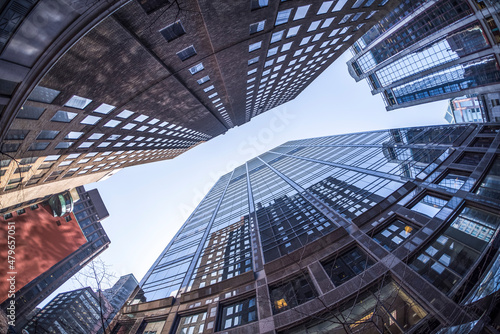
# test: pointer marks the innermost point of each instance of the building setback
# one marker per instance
(87, 213)
(392, 230)
(426, 51)
(122, 83)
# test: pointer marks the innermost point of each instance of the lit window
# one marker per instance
(63, 116)
(291, 294)
(301, 12)
(283, 16)
(104, 109)
(173, 31)
(78, 102)
(203, 80)
(196, 68)
(292, 31)
(90, 120)
(277, 36)
(254, 46)
(256, 27)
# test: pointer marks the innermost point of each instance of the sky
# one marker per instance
(149, 203)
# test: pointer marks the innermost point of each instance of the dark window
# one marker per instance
(43, 94)
(292, 293)
(63, 116)
(347, 265)
(46, 165)
(68, 218)
(47, 134)
(16, 134)
(490, 187)
(7, 216)
(38, 146)
(26, 161)
(63, 145)
(34, 207)
(4, 163)
(256, 4)
(490, 129)
(470, 158)
(451, 255)
(2, 172)
(186, 53)
(7, 87)
(482, 142)
(10, 147)
(22, 169)
(30, 112)
(173, 31)
(20, 212)
(237, 314)
(393, 235)
(256, 27)
(17, 180)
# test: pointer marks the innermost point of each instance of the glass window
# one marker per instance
(64, 144)
(38, 146)
(258, 26)
(203, 80)
(194, 323)
(277, 36)
(301, 12)
(290, 294)
(429, 205)
(490, 186)
(63, 116)
(16, 134)
(314, 25)
(196, 68)
(452, 254)
(325, 6)
(394, 234)
(43, 94)
(286, 46)
(272, 52)
(140, 118)
(73, 135)
(186, 53)
(78, 102)
(30, 112)
(256, 4)
(125, 114)
(47, 134)
(96, 136)
(254, 46)
(104, 109)
(283, 16)
(292, 31)
(112, 123)
(454, 179)
(339, 5)
(347, 265)
(173, 31)
(238, 314)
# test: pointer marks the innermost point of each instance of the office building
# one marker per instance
(113, 84)
(77, 311)
(465, 109)
(425, 51)
(50, 250)
(118, 294)
(382, 231)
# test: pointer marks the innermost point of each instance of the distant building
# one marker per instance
(426, 51)
(121, 83)
(465, 109)
(77, 311)
(382, 231)
(49, 250)
(118, 294)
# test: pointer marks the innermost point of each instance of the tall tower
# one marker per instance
(394, 229)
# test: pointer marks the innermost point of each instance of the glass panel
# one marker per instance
(429, 205)
(292, 293)
(490, 187)
(238, 314)
(347, 265)
(394, 234)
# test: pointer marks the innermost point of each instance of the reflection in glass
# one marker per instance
(347, 265)
(192, 324)
(238, 314)
(429, 205)
(292, 293)
(490, 187)
(454, 179)
(394, 234)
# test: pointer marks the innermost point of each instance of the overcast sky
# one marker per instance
(148, 203)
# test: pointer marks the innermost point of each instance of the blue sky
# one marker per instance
(148, 203)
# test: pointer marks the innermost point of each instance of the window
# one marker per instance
(254, 46)
(112, 123)
(277, 36)
(90, 120)
(347, 265)
(301, 12)
(454, 179)
(305, 40)
(47, 134)
(429, 205)
(292, 293)
(256, 27)
(64, 144)
(30, 112)
(314, 25)
(196, 68)
(207, 89)
(203, 80)
(192, 323)
(451, 255)
(104, 109)
(272, 52)
(96, 136)
(125, 114)
(43, 94)
(24, 161)
(73, 135)
(490, 186)
(141, 118)
(283, 16)
(470, 158)
(63, 116)
(38, 146)
(20, 212)
(7, 216)
(16, 134)
(292, 31)
(78, 102)
(256, 4)
(238, 314)
(186, 53)
(393, 235)
(339, 5)
(325, 6)
(173, 31)
(286, 46)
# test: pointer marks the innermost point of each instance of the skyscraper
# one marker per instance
(43, 240)
(426, 51)
(392, 229)
(113, 84)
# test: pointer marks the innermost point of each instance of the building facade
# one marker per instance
(120, 83)
(72, 312)
(87, 214)
(426, 51)
(118, 294)
(383, 231)
(465, 109)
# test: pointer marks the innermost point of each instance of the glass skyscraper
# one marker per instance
(390, 230)
(425, 51)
